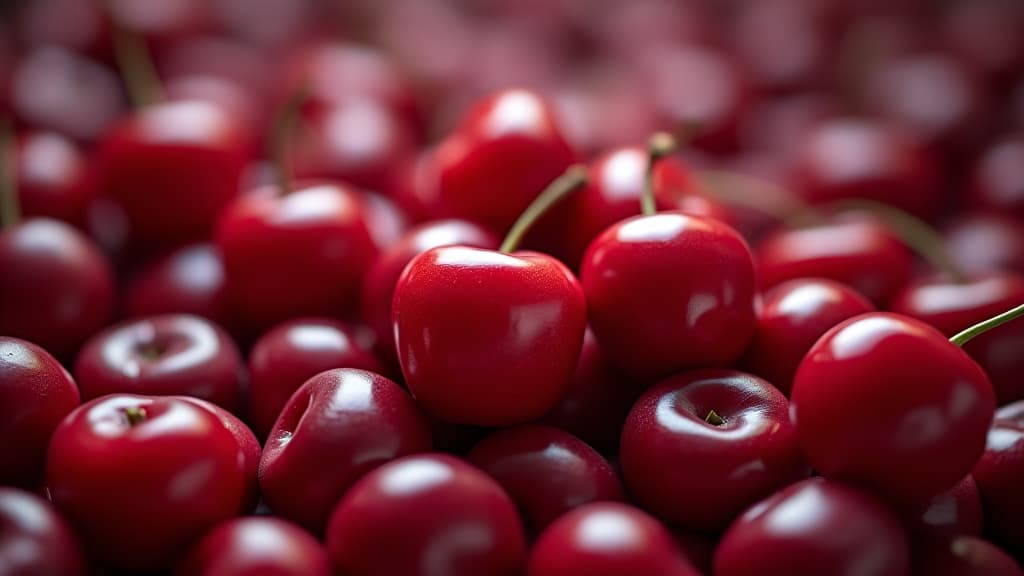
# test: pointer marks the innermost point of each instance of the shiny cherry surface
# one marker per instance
(963, 555)
(189, 280)
(546, 471)
(423, 515)
(256, 545)
(998, 475)
(54, 178)
(510, 356)
(794, 532)
(668, 292)
(955, 511)
(698, 474)
(337, 427)
(169, 355)
(35, 539)
(887, 402)
(985, 242)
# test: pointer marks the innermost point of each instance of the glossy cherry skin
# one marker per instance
(172, 168)
(606, 539)
(53, 178)
(56, 288)
(791, 318)
(951, 307)
(509, 359)
(253, 546)
(546, 471)
(378, 288)
(955, 511)
(36, 392)
(315, 236)
(295, 351)
(963, 555)
(856, 250)
(503, 153)
(139, 494)
(983, 242)
(172, 355)
(998, 179)
(1013, 411)
(698, 475)
(422, 515)
(337, 427)
(189, 280)
(887, 402)
(794, 532)
(35, 539)
(998, 475)
(668, 292)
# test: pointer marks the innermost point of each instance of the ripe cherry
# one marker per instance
(54, 179)
(189, 280)
(998, 474)
(35, 538)
(256, 545)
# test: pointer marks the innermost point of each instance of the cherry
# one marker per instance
(1013, 411)
(855, 249)
(290, 353)
(385, 219)
(256, 545)
(56, 288)
(998, 474)
(337, 427)
(782, 43)
(546, 471)
(795, 530)
(188, 280)
(887, 402)
(422, 515)
(53, 178)
(998, 179)
(170, 355)
(963, 555)
(984, 242)
(606, 539)
(952, 306)
(140, 477)
(36, 392)
(791, 318)
(35, 538)
(956, 511)
(379, 283)
(316, 236)
(699, 447)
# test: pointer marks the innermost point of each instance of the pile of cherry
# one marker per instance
(355, 306)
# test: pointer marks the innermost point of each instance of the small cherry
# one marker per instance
(796, 531)
(522, 318)
(292, 352)
(998, 475)
(546, 471)
(35, 538)
(425, 513)
(36, 392)
(189, 280)
(338, 426)
(791, 318)
(256, 545)
(171, 355)
(701, 446)
(54, 178)
(963, 555)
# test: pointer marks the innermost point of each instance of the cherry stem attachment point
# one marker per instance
(572, 179)
(660, 145)
(136, 64)
(135, 415)
(286, 123)
(986, 325)
(714, 419)
(10, 208)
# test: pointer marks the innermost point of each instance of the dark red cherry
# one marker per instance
(1013, 411)
(256, 545)
(53, 178)
(955, 511)
(998, 180)
(35, 538)
(998, 475)
(963, 555)
(189, 280)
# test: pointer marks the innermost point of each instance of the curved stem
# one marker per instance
(285, 124)
(10, 207)
(986, 325)
(135, 415)
(573, 178)
(659, 146)
(135, 63)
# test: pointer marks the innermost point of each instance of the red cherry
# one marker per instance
(423, 514)
(857, 250)
(509, 359)
(998, 180)
(256, 545)
(385, 219)
(606, 539)
(172, 168)
(35, 538)
(998, 475)
(337, 427)
(982, 242)
(953, 306)
(701, 446)
(963, 555)
(189, 280)
(173, 355)
(955, 511)
(668, 292)
(546, 471)
(379, 283)
(317, 237)
(293, 352)
(1013, 411)
(782, 42)
(36, 392)
(56, 288)
(53, 178)
(791, 318)
(796, 531)
(141, 477)
(887, 402)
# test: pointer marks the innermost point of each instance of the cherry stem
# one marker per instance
(758, 194)
(986, 325)
(135, 415)
(714, 419)
(10, 208)
(281, 136)
(135, 63)
(660, 145)
(572, 179)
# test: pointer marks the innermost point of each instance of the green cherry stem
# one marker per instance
(714, 419)
(135, 63)
(286, 123)
(660, 145)
(10, 208)
(135, 415)
(770, 199)
(572, 179)
(986, 325)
